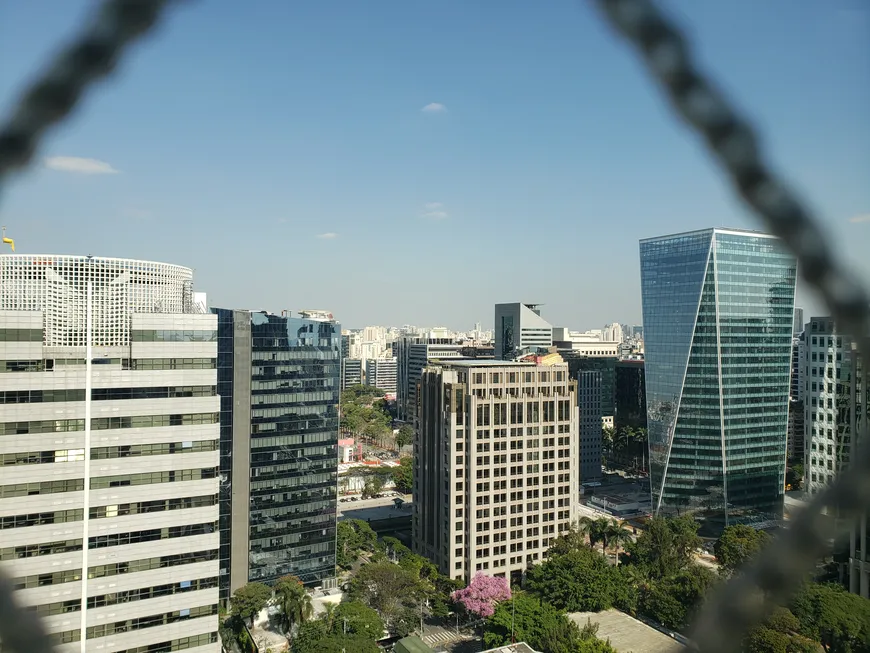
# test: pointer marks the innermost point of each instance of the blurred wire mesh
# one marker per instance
(733, 609)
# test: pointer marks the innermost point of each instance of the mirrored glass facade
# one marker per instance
(279, 381)
(718, 310)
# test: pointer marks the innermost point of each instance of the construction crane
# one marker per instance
(8, 241)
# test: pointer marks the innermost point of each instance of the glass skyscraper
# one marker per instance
(717, 318)
(279, 383)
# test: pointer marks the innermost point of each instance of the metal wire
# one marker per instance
(734, 609)
(115, 26)
(778, 571)
(20, 631)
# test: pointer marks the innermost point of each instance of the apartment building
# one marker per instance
(836, 396)
(381, 373)
(351, 372)
(109, 441)
(496, 473)
(414, 353)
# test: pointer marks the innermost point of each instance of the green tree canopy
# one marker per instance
(578, 581)
(248, 600)
(834, 617)
(405, 436)
(737, 544)
(389, 589)
(403, 475)
(354, 536)
(357, 619)
(673, 601)
(666, 546)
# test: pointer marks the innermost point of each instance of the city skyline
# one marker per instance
(319, 141)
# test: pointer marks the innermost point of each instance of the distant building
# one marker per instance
(606, 366)
(279, 384)
(381, 373)
(629, 395)
(519, 328)
(589, 401)
(351, 372)
(415, 353)
(718, 312)
(798, 327)
(796, 434)
(590, 343)
(495, 472)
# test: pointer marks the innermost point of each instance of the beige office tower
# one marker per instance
(109, 442)
(496, 464)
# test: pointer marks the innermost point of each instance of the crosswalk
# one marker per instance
(439, 637)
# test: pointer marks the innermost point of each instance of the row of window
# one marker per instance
(150, 535)
(149, 421)
(172, 335)
(138, 623)
(44, 549)
(45, 487)
(40, 396)
(20, 335)
(142, 593)
(148, 478)
(41, 518)
(166, 392)
(147, 564)
(175, 645)
(159, 505)
(44, 426)
(170, 364)
(163, 448)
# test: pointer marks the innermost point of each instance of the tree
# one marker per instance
(595, 530)
(389, 589)
(834, 617)
(353, 537)
(293, 601)
(355, 618)
(666, 546)
(336, 644)
(616, 535)
(248, 600)
(403, 475)
(405, 436)
(372, 487)
(673, 601)
(482, 594)
(737, 544)
(579, 581)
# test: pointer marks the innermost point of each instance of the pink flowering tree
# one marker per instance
(482, 594)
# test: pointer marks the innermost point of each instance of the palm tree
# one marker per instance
(293, 601)
(617, 534)
(595, 530)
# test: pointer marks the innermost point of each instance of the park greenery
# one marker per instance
(403, 475)
(365, 414)
(656, 578)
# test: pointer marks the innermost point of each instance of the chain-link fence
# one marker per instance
(769, 580)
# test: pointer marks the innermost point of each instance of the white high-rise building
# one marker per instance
(381, 373)
(109, 440)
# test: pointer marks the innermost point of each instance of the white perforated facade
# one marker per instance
(109, 445)
(57, 286)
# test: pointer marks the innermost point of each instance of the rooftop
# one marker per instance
(479, 362)
(521, 647)
(627, 634)
(721, 230)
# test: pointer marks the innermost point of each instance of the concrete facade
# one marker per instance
(520, 328)
(381, 373)
(495, 465)
(108, 498)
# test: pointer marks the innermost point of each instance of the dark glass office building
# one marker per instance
(279, 380)
(717, 316)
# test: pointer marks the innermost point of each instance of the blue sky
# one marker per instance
(243, 131)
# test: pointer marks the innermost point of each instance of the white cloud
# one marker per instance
(434, 107)
(79, 165)
(329, 235)
(860, 218)
(434, 211)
